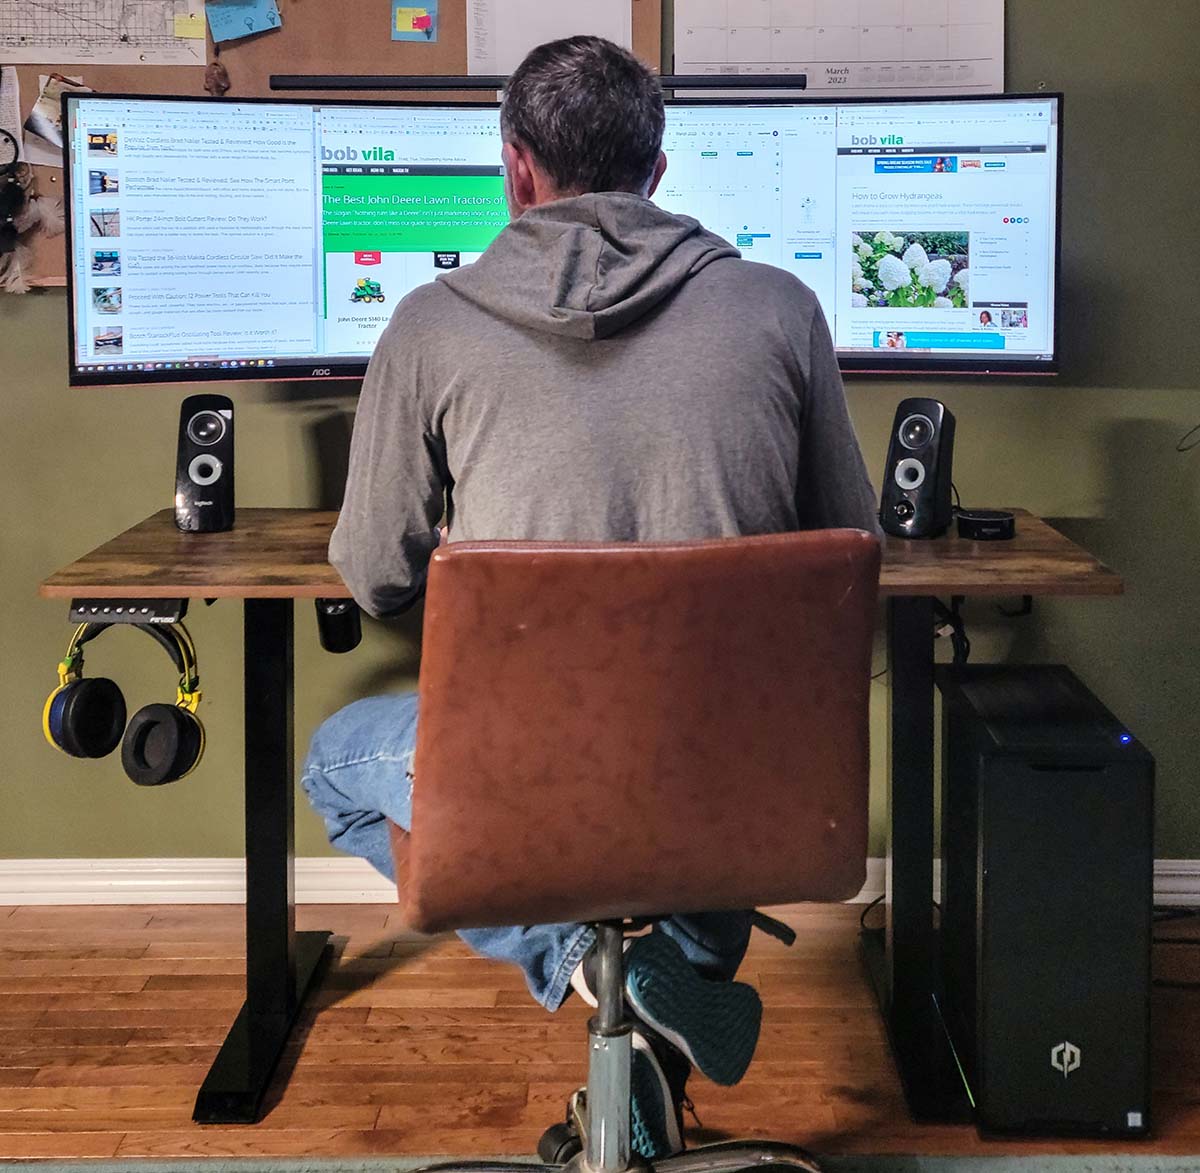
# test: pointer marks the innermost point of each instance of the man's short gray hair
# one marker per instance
(590, 114)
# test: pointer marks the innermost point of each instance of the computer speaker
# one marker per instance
(916, 483)
(204, 467)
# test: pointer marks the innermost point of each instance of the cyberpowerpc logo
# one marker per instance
(1066, 1058)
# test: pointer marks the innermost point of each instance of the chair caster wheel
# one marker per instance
(559, 1143)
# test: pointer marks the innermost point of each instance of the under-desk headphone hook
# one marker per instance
(86, 717)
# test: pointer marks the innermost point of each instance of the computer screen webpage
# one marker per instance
(225, 236)
(947, 229)
(228, 239)
(927, 230)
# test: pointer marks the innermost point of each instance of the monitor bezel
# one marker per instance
(857, 364)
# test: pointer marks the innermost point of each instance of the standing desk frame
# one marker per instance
(274, 556)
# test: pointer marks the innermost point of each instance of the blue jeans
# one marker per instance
(359, 774)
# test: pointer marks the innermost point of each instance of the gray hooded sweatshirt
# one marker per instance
(606, 371)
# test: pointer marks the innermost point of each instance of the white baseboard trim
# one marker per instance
(1177, 882)
(873, 888)
(332, 880)
(319, 880)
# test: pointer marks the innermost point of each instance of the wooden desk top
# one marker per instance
(281, 553)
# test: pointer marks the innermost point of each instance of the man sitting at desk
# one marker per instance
(606, 371)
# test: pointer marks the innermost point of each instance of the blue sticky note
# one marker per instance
(230, 19)
(415, 20)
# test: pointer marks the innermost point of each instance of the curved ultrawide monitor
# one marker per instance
(223, 239)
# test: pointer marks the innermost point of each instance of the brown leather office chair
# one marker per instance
(610, 731)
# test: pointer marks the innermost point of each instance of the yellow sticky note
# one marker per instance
(406, 16)
(190, 25)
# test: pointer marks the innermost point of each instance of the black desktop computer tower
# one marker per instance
(1046, 902)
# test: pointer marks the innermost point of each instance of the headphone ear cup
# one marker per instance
(161, 744)
(87, 717)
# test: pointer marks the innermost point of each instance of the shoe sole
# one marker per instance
(715, 1024)
(654, 1130)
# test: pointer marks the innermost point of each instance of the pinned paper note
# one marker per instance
(501, 32)
(415, 22)
(43, 127)
(10, 105)
(230, 19)
(190, 25)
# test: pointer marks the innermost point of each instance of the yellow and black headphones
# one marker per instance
(86, 718)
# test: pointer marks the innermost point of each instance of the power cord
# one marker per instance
(1026, 608)
(1188, 440)
(1163, 914)
(951, 623)
(862, 920)
(1172, 912)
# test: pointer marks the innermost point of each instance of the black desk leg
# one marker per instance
(279, 961)
(905, 964)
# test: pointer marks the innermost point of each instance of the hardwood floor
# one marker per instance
(109, 1018)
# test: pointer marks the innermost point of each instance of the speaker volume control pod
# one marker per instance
(339, 624)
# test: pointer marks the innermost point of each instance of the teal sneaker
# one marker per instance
(715, 1024)
(657, 1076)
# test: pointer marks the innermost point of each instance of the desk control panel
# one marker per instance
(127, 610)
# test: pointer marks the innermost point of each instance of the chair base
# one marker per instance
(726, 1157)
(563, 1147)
(574, 1146)
(565, 1144)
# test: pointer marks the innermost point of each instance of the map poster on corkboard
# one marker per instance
(100, 32)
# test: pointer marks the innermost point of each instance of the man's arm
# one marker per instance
(834, 489)
(395, 488)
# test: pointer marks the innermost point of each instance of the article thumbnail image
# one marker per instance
(910, 270)
(102, 142)
(107, 340)
(103, 183)
(105, 223)
(106, 262)
(106, 299)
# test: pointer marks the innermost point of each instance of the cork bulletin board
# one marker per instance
(48, 263)
(316, 37)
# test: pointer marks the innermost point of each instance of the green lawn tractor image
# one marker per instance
(366, 290)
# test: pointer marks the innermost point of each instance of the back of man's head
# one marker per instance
(590, 114)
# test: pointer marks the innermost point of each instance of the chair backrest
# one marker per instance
(627, 729)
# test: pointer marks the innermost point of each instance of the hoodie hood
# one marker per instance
(588, 266)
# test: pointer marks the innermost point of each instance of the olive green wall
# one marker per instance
(1094, 450)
